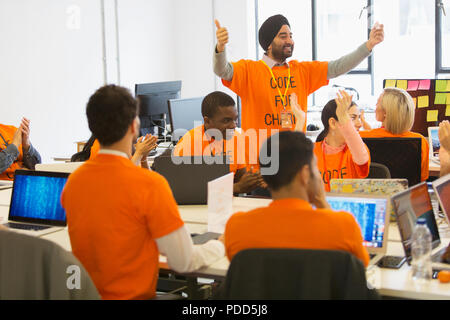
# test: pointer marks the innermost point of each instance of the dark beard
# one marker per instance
(280, 56)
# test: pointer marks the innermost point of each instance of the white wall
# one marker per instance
(51, 56)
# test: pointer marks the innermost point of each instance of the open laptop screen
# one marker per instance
(36, 198)
(370, 213)
(410, 205)
(442, 188)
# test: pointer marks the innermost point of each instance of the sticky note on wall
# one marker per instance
(448, 86)
(423, 102)
(432, 115)
(447, 111)
(415, 102)
(440, 98)
(390, 83)
(441, 85)
(424, 85)
(413, 85)
(402, 84)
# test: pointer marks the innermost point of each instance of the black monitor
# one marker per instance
(184, 115)
(153, 112)
(402, 156)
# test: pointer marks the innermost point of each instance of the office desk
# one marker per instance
(389, 282)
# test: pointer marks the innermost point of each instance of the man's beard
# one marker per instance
(278, 53)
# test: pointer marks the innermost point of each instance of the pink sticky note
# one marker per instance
(413, 85)
(424, 85)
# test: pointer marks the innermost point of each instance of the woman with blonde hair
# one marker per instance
(395, 110)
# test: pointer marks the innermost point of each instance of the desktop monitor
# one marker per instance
(184, 115)
(410, 205)
(153, 111)
(433, 141)
(402, 156)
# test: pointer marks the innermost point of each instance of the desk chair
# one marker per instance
(402, 156)
(275, 274)
(32, 268)
(378, 171)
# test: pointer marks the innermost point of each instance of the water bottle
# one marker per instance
(421, 251)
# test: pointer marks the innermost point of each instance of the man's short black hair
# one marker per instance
(110, 112)
(294, 151)
(213, 101)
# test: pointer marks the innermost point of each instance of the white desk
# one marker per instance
(389, 282)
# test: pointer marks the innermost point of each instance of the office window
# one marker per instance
(340, 27)
(443, 36)
(408, 48)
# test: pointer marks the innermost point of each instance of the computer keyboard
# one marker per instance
(394, 262)
(25, 226)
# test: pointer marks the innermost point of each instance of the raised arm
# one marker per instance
(352, 138)
(10, 154)
(350, 61)
(222, 68)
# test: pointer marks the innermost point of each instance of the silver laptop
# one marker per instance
(441, 188)
(372, 214)
(409, 205)
(35, 206)
(370, 186)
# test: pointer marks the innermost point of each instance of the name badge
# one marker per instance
(286, 119)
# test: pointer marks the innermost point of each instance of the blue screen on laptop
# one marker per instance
(369, 213)
(37, 197)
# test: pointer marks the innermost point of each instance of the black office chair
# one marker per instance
(275, 274)
(378, 171)
(402, 156)
(37, 269)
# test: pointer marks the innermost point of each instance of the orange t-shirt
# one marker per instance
(261, 101)
(115, 211)
(8, 133)
(94, 149)
(383, 133)
(339, 165)
(196, 143)
(293, 223)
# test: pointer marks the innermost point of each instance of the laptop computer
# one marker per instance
(370, 186)
(434, 143)
(441, 188)
(409, 205)
(372, 214)
(35, 206)
(188, 177)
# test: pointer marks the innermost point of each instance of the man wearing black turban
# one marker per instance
(266, 86)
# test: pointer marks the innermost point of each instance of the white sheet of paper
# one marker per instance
(220, 202)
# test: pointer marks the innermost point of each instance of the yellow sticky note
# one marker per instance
(402, 84)
(441, 97)
(447, 111)
(415, 102)
(432, 115)
(390, 83)
(347, 188)
(423, 102)
(448, 97)
(448, 86)
(441, 85)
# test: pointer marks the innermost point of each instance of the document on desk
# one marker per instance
(220, 202)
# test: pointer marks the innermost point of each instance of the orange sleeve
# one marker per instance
(165, 217)
(425, 170)
(239, 82)
(317, 74)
